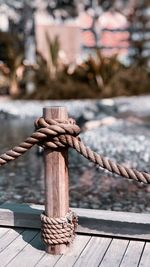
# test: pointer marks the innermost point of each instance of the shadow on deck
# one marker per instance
(104, 238)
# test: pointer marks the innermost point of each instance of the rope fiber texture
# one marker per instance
(56, 134)
(58, 230)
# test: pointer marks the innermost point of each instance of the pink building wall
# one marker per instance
(69, 37)
(72, 37)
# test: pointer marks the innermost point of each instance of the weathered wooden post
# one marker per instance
(56, 178)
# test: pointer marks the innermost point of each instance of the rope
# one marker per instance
(45, 131)
(58, 230)
(55, 134)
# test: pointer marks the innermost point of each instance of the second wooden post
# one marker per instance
(56, 178)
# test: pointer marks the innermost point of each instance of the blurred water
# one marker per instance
(22, 180)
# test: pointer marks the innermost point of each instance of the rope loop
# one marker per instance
(53, 129)
(56, 231)
(56, 134)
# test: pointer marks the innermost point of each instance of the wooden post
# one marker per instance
(56, 178)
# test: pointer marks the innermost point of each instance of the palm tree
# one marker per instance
(11, 53)
(52, 61)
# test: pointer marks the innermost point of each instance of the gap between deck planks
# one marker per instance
(24, 248)
(98, 222)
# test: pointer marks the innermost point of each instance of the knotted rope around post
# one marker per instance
(58, 230)
(58, 134)
(55, 134)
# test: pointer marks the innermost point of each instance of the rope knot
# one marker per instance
(57, 231)
(53, 133)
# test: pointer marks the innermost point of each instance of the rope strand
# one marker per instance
(55, 134)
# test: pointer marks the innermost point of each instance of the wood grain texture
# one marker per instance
(56, 178)
(115, 253)
(9, 237)
(145, 259)
(133, 254)
(48, 260)
(74, 253)
(13, 249)
(3, 231)
(31, 253)
(93, 252)
(24, 248)
(98, 222)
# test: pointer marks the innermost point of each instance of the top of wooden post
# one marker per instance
(55, 112)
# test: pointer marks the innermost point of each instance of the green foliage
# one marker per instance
(97, 77)
(134, 80)
(11, 50)
(11, 54)
(98, 70)
(54, 47)
(52, 60)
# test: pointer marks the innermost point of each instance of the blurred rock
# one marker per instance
(97, 123)
(6, 115)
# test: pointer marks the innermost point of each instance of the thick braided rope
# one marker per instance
(103, 162)
(58, 230)
(55, 134)
(44, 130)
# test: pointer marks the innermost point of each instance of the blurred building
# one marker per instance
(81, 26)
(109, 32)
(69, 37)
(77, 37)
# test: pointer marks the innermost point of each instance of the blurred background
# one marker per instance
(47, 45)
(59, 53)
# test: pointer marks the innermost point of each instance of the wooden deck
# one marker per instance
(103, 239)
(23, 248)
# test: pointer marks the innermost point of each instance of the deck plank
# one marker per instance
(115, 253)
(133, 254)
(74, 252)
(12, 250)
(30, 254)
(9, 237)
(3, 231)
(105, 239)
(145, 259)
(93, 252)
(48, 260)
(19, 247)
